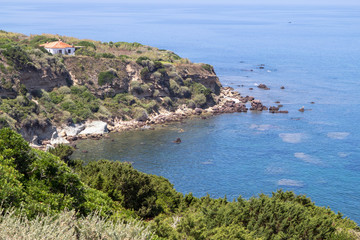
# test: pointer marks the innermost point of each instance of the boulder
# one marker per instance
(72, 129)
(56, 139)
(257, 105)
(95, 127)
(198, 111)
(263, 86)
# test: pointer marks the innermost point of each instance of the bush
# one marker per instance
(144, 73)
(41, 182)
(134, 190)
(208, 68)
(86, 44)
(200, 100)
(140, 114)
(106, 77)
(56, 97)
(63, 152)
(136, 87)
(67, 225)
(141, 60)
(107, 55)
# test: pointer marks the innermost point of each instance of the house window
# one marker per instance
(60, 51)
(69, 50)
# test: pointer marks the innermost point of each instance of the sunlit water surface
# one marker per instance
(313, 51)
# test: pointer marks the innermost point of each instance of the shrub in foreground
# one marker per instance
(66, 225)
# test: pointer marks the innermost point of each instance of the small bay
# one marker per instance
(313, 51)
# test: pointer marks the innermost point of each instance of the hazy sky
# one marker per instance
(253, 2)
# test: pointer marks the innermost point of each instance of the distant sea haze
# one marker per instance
(313, 51)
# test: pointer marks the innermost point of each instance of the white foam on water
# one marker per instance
(343, 154)
(307, 158)
(290, 183)
(292, 137)
(262, 127)
(275, 170)
(207, 162)
(338, 135)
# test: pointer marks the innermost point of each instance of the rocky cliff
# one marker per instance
(104, 81)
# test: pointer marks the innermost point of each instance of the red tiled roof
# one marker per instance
(57, 44)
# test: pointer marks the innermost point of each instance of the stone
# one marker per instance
(282, 87)
(94, 127)
(56, 139)
(263, 86)
(198, 111)
(178, 140)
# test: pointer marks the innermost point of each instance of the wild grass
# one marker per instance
(66, 225)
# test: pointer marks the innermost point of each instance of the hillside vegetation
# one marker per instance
(65, 199)
(108, 81)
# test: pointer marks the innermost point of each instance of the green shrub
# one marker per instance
(174, 87)
(106, 77)
(35, 41)
(123, 184)
(16, 56)
(200, 100)
(63, 152)
(144, 73)
(3, 68)
(167, 101)
(56, 97)
(86, 52)
(86, 44)
(41, 182)
(107, 55)
(67, 225)
(141, 60)
(208, 68)
(140, 114)
(136, 87)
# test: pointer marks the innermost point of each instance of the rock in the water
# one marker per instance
(263, 86)
(178, 140)
(257, 105)
(95, 127)
(282, 87)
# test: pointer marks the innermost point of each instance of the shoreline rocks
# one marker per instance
(229, 101)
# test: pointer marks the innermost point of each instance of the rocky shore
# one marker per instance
(228, 101)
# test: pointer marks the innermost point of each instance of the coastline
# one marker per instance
(228, 101)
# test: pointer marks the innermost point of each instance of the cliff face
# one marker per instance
(110, 82)
(86, 71)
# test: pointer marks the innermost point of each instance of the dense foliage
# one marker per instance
(39, 182)
(34, 182)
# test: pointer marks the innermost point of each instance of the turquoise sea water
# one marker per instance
(314, 51)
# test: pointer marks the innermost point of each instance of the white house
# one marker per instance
(59, 47)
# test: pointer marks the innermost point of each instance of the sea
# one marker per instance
(311, 50)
